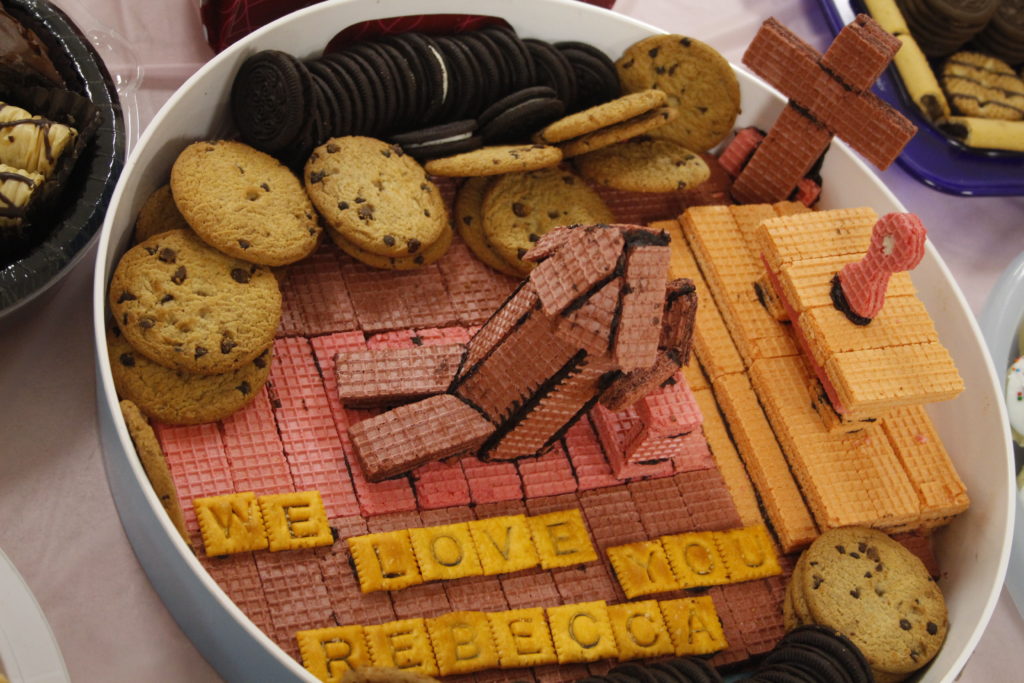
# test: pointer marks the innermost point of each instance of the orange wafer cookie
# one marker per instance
(839, 232)
(728, 459)
(848, 479)
(711, 340)
(413, 434)
(830, 419)
(932, 474)
(765, 462)
(807, 283)
(387, 376)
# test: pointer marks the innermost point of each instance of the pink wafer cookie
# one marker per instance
(530, 588)
(426, 600)
(501, 324)
(739, 150)
(547, 475)
(375, 498)
(502, 508)
(708, 502)
(430, 336)
(897, 244)
(672, 410)
(639, 327)
(394, 521)
(590, 325)
(454, 514)
(612, 516)
(382, 376)
(617, 431)
(570, 273)
(475, 289)
(860, 53)
(307, 427)
(295, 594)
(481, 593)
(807, 191)
(315, 289)
(440, 484)
(350, 605)
(414, 298)
(586, 582)
(731, 628)
(491, 482)
(588, 460)
(757, 613)
(692, 452)
(195, 455)
(254, 450)
(659, 502)
(545, 504)
(238, 577)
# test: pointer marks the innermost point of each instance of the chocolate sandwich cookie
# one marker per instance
(270, 97)
(833, 644)
(517, 116)
(444, 139)
(638, 673)
(353, 86)
(383, 96)
(464, 86)
(515, 53)
(596, 78)
(328, 88)
(494, 75)
(553, 70)
(431, 71)
(1003, 36)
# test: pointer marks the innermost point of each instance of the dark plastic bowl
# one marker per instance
(86, 195)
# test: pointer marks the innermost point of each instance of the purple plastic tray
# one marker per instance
(931, 156)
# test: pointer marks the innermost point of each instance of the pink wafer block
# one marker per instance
(612, 516)
(546, 504)
(530, 588)
(493, 481)
(314, 286)
(350, 605)
(588, 460)
(807, 192)
(505, 675)
(254, 450)
(199, 466)
(757, 612)
(708, 502)
(586, 582)
(394, 521)
(424, 600)
(400, 339)
(440, 485)
(920, 545)
(732, 629)
(475, 289)
(390, 376)
(671, 410)
(295, 595)
(547, 475)
(397, 299)
(308, 431)
(503, 508)
(373, 499)
(481, 593)
(692, 452)
(618, 431)
(291, 324)
(600, 668)
(739, 150)
(238, 577)
(659, 503)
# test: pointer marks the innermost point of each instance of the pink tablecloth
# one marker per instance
(57, 519)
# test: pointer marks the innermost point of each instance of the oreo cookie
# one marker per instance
(515, 52)
(445, 139)
(596, 77)
(517, 116)
(553, 70)
(271, 96)
(365, 89)
(429, 70)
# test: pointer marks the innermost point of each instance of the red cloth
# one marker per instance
(226, 21)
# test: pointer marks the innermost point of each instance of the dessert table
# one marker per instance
(58, 524)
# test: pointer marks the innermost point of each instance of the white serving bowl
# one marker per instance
(972, 551)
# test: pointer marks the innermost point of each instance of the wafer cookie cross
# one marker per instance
(897, 244)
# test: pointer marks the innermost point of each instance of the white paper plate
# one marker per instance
(28, 650)
(972, 551)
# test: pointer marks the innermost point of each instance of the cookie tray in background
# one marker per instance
(972, 550)
(931, 156)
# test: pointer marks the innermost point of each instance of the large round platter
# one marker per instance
(972, 551)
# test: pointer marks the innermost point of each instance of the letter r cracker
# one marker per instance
(328, 653)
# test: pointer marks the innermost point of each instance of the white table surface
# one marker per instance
(57, 520)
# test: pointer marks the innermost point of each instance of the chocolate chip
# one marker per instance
(389, 240)
(862, 546)
(855, 556)
(386, 153)
(533, 237)
(332, 148)
(629, 64)
(904, 624)
(360, 200)
(151, 250)
(179, 275)
(261, 360)
(365, 213)
(855, 594)
(520, 209)
(127, 360)
(167, 255)
(244, 388)
(872, 553)
(841, 549)
(419, 260)
(867, 575)
(146, 323)
(468, 220)
(342, 205)
(817, 580)
(932, 628)
(166, 298)
(244, 244)
(413, 245)
(520, 253)
(200, 351)
(879, 567)
(653, 52)
(241, 275)
(316, 176)
(686, 42)
(226, 344)
(126, 296)
(426, 212)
